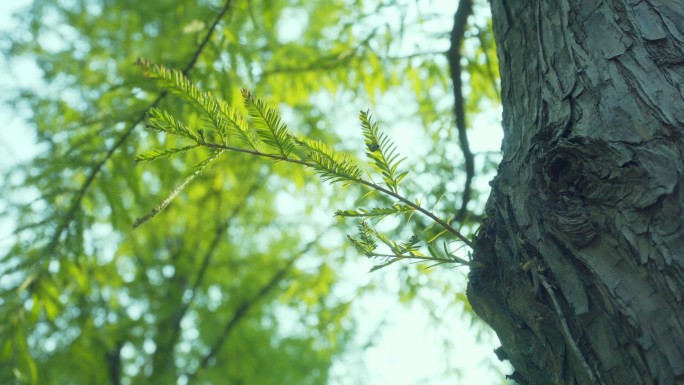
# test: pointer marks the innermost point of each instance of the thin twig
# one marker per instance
(167, 201)
(422, 258)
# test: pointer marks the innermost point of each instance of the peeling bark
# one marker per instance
(584, 240)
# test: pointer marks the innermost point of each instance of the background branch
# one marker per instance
(465, 9)
(242, 310)
(204, 265)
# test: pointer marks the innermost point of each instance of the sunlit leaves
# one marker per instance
(382, 152)
(220, 118)
(267, 128)
(155, 154)
(332, 166)
(270, 128)
(163, 121)
(376, 212)
(365, 242)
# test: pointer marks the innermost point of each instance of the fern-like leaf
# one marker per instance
(161, 120)
(389, 243)
(332, 166)
(239, 127)
(365, 242)
(155, 154)
(174, 81)
(270, 128)
(410, 247)
(377, 212)
(382, 152)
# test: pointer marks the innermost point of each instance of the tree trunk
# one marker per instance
(584, 241)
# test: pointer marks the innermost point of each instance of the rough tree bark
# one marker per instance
(584, 241)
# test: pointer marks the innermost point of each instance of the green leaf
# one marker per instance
(332, 166)
(163, 121)
(382, 152)
(269, 126)
(155, 154)
(216, 111)
(377, 212)
(365, 243)
(410, 246)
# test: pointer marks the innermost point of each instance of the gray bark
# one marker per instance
(584, 242)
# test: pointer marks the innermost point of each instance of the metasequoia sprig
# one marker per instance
(267, 136)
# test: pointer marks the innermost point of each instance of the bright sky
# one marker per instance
(408, 350)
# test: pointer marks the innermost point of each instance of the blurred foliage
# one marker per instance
(240, 281)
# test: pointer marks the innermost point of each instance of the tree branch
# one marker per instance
(423, 258)
(465, 9)
(113, 358)
(360, 181)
